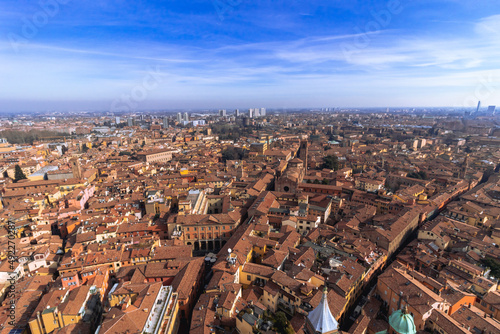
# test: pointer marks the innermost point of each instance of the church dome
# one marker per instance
(402, 322)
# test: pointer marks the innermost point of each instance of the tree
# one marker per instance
(229, 154)
(494, 265)
(19, 174)
(330, 162)
(282, 324)
(233, 153)
(124, 153)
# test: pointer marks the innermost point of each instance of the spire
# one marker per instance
(321, 318)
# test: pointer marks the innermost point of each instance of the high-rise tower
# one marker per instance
(75, 168)
(303, 152)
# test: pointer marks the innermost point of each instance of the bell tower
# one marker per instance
(464, 167)
(303, 152)
(75, 168)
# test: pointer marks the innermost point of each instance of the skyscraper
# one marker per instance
(262, 111)
(222, 112)
(250, 113)
(130, 122)
(165, 122)
(237, 113)
(179, 117)
(186, 117)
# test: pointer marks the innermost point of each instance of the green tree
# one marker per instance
(22, 137)
(330, 162)
(315, 138)
(282, 324)
(233, 153)
(229, 154)
(19, 174)
(494, 265)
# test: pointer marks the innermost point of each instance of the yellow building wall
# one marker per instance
(116, 299)
(271, 302)
(48, 321)
(34, 327)
(66, 320)
(243, 327)
(260, 251)
(174, 322)
(317, 282)
(244, 278)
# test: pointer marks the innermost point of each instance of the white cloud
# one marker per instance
(437, 69)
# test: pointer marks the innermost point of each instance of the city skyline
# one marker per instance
(122, 56)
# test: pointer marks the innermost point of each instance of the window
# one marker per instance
(249, 277)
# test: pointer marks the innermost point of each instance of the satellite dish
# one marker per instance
(229, 250)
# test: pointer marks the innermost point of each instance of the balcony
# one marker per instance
(286, 307)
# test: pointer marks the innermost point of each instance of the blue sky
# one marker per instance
(139, 55)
